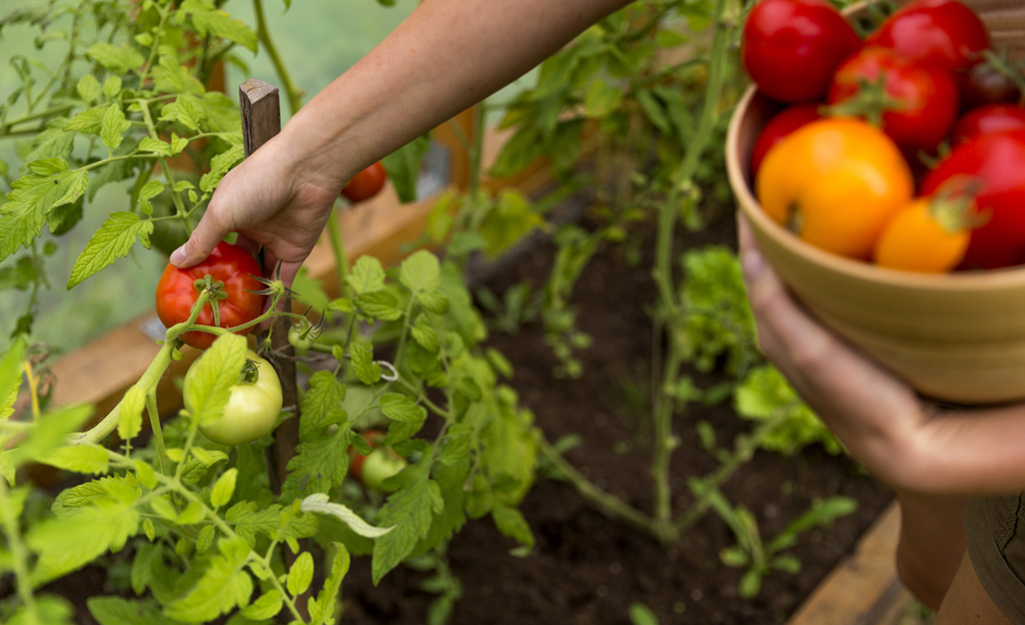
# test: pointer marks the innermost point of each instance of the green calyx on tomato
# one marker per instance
(253, 406)
(302, 334)
(231, 273)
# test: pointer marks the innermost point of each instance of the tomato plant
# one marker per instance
(253, 405)
(790, 48)
(782, 124)
(989, 167)
(366, 184)
(988, 119)
(927, 235)
(835, 183)
(237, 303)
(914, 103)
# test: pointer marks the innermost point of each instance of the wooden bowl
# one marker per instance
(956, 337)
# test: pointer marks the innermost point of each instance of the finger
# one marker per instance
(204, 239)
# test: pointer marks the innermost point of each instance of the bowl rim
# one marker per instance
(737, 172)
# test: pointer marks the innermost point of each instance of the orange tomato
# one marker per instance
(928, 235)
(835, 183)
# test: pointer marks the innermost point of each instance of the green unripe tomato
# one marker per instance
(251, 411)
(301, 334)
(379, 465)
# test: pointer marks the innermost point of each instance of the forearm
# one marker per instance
(447, 56)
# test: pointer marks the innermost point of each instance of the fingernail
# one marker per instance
(178, 256)
(753, 264)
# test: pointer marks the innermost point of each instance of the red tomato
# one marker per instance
(791, 47)
(366, 184)
(992, 168)
(985, 84)
(230, 264)
(945, 32)
(915, 104)
(781, 125)
(988, 119)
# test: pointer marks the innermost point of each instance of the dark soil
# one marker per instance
(588, 568)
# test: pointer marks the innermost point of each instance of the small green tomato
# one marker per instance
(253, 408)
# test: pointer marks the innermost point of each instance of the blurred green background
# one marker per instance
(318, 39)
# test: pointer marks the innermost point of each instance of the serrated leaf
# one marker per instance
(130, 418)
(319, 465)
(49, 433)
(366, 276)
(120, 59)
(30, 201)
(434, 301)
(113, 240)
(420, 272)
(425, 335)
(224, 488)
(85, 459)
(512, 523)
(320, 503)
(88, 88)
(362, 357)
(113, 126)
(602, 99)
(409, 511)
(402, 409)
(300, 575)
(208, 20)
(89, 121)
(149, 144)
(192, 514)
(112, 86)
(178, 144)
(223, 586)
(212, 376)
(48, 166)
(266, 607)
(67, 543)
(11, 376)
(379, 305)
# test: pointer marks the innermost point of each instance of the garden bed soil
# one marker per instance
(588, 568)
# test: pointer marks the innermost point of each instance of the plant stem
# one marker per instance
(664, 402)
(19, 553)
(293, 92)
(158, 432)
(607, 501)
(334, 232)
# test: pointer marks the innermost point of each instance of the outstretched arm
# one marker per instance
(447, 56)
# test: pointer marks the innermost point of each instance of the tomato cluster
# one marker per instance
(905, 148)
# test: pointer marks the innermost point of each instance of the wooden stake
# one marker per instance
(261, 120)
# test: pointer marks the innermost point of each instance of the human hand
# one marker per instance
(870, 410)
(272, 199)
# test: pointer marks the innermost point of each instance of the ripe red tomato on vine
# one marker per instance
(229, 264)
(990, 168)
(790, 48)
(914, 103)
(366, 184)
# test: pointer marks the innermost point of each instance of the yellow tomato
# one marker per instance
(928, 235)
(835, 183)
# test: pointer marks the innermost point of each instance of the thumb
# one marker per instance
(204, 239)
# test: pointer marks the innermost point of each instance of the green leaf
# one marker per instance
(130, 418)
(113, 126)
(319, 465)
(324, 395)
(602, 99)
(88, 88)
(379, 305)
(300, 575)
(89, 121)
(402, 409)
(120, 59)
(112, 86)
(10, 376)
(50, 610)
(67, 543)
(512, 523)
(223, 586)
(266, 607)
(30, 201)
(322, 610)
(219, 166)
(224, 488)
(366, 276)
(362, 357)
(83, 459)
(425, 335)
(320, 503)
(409, 511)
(641, 614)
(434, 301)
(403, 167)
(208, 20)
(212, 376)
(113, 240)
(49, 433)
(149, 144)
(420, 272)
(48, 166)
(119, 611)
(653, 109)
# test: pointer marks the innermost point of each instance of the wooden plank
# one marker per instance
(863, 589)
